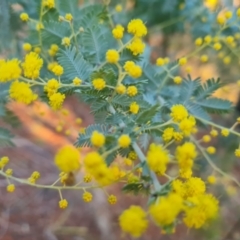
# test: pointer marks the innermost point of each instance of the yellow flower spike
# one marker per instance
(97, 139)
(118, 8)
(112, 199)
(225, 132)
(134, 108)
(66, 41)
(177, 80)
(198, 42)
(63, 203)
(211, 179)
(112, 56)
(121, 89)
(99, 84)
(206, 138)
(11, 188)
(211, 150)
(69, 17)
(27, 47)
(204, 58)
(182, 61)
(87, 197)
(136, 215)
(24, 17)
(124, 141)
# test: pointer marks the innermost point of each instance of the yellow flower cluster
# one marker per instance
(53, 50)
(137, 28)
(118, 32)
(57, 69)
(133, 221)
(56, 100)
(9, 70)
(87, 197)
(67, 159)
(132, 91)
(157, 158)
(97, 139)
(134, 108)
(178, 113)
(24, 17)
(112, 56)
(32, 65)
(136, 46)
(22, 93)
(27, 47)
(49, 3)
(132, 69)
(124, 141)
(99, 84)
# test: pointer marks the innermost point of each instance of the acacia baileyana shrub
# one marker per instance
(146, 115)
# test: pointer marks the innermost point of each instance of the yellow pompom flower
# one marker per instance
(11, 188)
(165, 211)
(206, 138)
(112, 199)
(97, 139)
(238, 12)
(69, 17)
(198, 41)
(157, 158)
(160, 62)
(58, 70)
(10, 70)
(182, 61)
(27, 47)
(211, 179)
(24, 17)
(214, 133)
(118, 8)
(32, 65)
(136, 46)
(177, 80)
(200, 210)
(4, 161)
(168, 134)
(187, 125)
(204, 58)
(208, 39)
(56, 100)
(49, 3)
(178, 113)
(87, 197)
(132, 91)
(39, 26)
(77, 81)
(227, 60)
(37, 50)
(67, 159)
(124, 141)
(66, 41)
(217, 46)
(118, 32)
(112, 56)
(221, 20)
(63, 203)
(133, 221)
(87, 178)
(99, 84)
(211, 150)
(134, 108)
(237, 152)
(121, 89)
(137, 28)
(132, 69)
(52, 86)
(225, 132)
(22, 93)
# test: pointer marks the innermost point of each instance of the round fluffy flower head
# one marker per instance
(24, 17)
(66, 41)
(67, 159)
(201, 210)
(132, 69)
(87, 197)
(238, 12)
(87, 178)
(4, 161)
(221, 20)
(32, 65)
(187, 125)
(118, 8)
(178, 113)
(204, 58)
(136, 46)
(10, 70)
(160, 62)
(133, 221)
(186, 151)
(118, 32)
(217, 46)
(208, 39)
(63, 203)
(225, 132)
(194, 187)
(11, 188)
(182, 61)
(49, 3)
(69, 17)
(112, 56)
(168, 134)
(166, 210)
(198, 42)
(92, 161)
(52, 86)
(97, 139)
(211, 179)
(157, 158)
(211, 150)
(237, 152)
(58, 70)
(124, 141)
(132, 91)
(137, 28)
(27, 47)
(214, 133)
(77, 81)
(99, 84)
(37, 50)
(120, 89)
(112, 199)
(177, 80)
(21, 92)
(134, 108)
(56, 100)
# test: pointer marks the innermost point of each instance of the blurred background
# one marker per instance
(33, 214)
